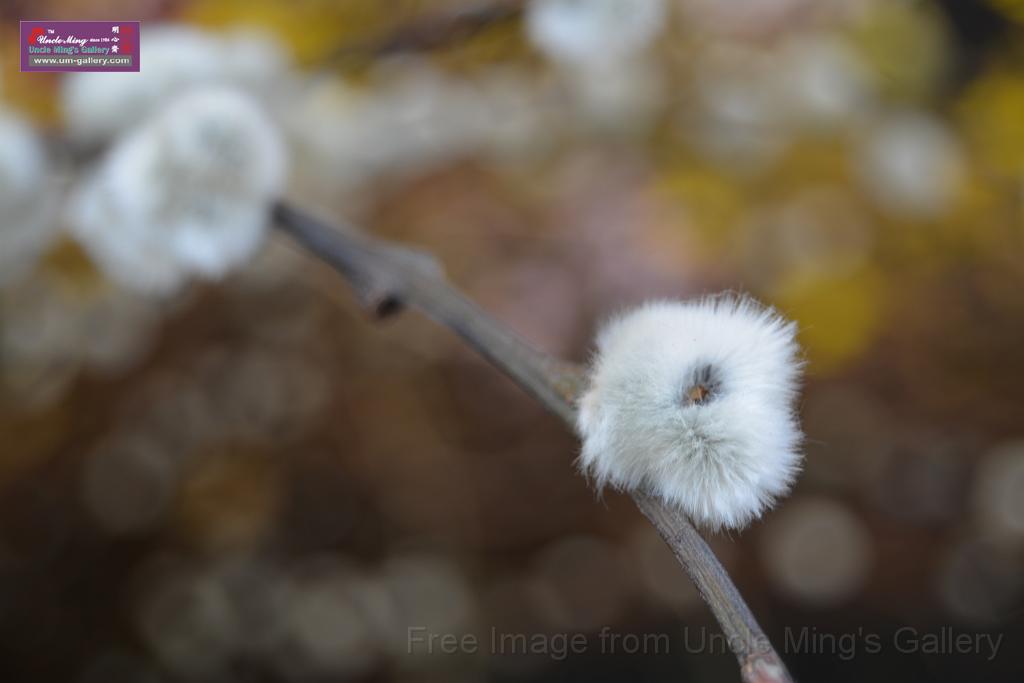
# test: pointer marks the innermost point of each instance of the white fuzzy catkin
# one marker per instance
(693, 403)
(187, 193)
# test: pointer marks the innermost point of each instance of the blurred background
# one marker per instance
(248, 481)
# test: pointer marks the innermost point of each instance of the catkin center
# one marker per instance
(702, 386)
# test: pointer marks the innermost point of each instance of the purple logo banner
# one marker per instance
(79, 46)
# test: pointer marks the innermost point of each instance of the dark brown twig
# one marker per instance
(431, 32)
(386, 277)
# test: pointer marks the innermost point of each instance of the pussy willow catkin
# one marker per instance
(694, 403)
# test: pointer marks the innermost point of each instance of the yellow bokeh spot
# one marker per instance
(905, 47)
(712, 202)
(1011, 9)
(993, 118)
(73, 271)
(312, 29)
(33, 95)
(838, 316)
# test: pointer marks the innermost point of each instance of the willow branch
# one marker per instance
(387, 277)
(432, 31)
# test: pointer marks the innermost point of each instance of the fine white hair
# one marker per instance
(187, 193)
(692, 402)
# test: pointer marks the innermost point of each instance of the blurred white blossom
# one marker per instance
(428, 591)
(584, 32)
(817, 551)
(736, 113)
(414, 118)
(187, 193)
(174, 58)
(821, 82)
(28, 224)
(53, 328)
(749, 101)
(326, 631)
(911, 164)
(600, 48)
(36, 342)
(997, 492)
(979, 582)
(187, 619)
(618, 97)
